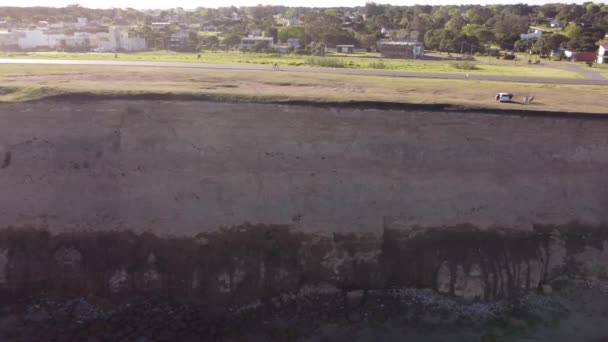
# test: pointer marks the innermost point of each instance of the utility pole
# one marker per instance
(461, 47)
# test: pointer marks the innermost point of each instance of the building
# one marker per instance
(400, 49)
(82, 22)
(180, 41)
(160, 24)
(255, 32)
(251, 42)
(117, 39)
(556, 23)
(345, 48)
(292, 21)
(531, 36)
(36, 39)
(292, 44)
(602, 53)
(80, 41)
(9, 40)
(584, 56)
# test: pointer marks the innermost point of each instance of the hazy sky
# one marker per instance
(190, 4)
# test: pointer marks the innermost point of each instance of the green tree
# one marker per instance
(232, 40)
(455, 24)
(573, 31)
(292, 32)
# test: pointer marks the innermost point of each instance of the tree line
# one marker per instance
(466, 28)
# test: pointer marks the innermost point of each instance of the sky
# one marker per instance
(191, 4)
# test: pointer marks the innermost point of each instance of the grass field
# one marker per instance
(602, 68)
(28, 82)
(482, 68)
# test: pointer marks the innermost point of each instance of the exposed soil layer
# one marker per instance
(246, 263)
(179, 168)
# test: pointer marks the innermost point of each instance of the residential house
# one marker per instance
(531, 36)
(292, 44)
(345, 48)
(556, 23)
(210, 28)
(292, 21)
(255, 32)
(400, 49)
(251, 42)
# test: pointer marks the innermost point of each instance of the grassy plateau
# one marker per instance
(31, 82)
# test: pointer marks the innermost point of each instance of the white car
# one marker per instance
(504, 97)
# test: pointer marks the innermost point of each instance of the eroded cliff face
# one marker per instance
(125, 197)
(248, 263)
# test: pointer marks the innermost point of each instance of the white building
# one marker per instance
(118, 39)
(37, 39)
(253, 41)
(81, 22)
(602, 54)
(8, 40)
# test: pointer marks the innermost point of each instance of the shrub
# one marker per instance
(465, 66)
(377, 65)
(302, 52)
(590, 64)
(509, 57)
(326, 62)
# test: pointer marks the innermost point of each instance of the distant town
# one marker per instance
(557, 31)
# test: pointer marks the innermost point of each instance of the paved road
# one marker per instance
(596, 79)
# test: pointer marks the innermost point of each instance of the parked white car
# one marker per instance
(504, 97)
